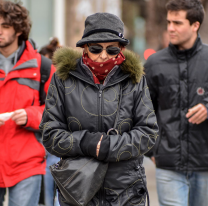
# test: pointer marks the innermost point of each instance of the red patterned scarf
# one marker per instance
(101, 69)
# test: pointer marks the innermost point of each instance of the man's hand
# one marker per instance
(197, 114)
(153, 159)
(1, 122)
(20, 117)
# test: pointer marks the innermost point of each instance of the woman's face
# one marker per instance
(103, 56)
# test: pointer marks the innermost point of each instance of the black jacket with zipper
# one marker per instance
(78, 112)
(178, 80)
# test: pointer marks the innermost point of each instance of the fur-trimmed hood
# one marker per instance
(65, 60)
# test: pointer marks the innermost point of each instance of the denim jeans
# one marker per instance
(24, 193)
(49, 182)
(176, 188)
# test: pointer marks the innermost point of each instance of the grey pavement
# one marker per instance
(6, 200)
(151, 183)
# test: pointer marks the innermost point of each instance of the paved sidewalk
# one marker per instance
(6, 200)
(151, 183)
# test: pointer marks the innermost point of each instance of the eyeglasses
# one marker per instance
(111, 50)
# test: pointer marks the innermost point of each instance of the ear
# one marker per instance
(18, 34)
(85, 48)
(196, 26)
(122, 49)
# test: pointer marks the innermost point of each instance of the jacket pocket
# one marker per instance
(136, 194)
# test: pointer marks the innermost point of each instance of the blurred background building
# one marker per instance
(145, 20)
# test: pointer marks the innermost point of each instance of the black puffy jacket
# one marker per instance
(178, 80)
(77, 110)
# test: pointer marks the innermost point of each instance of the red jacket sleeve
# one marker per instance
(34, 113)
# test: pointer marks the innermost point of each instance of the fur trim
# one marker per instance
(65, 60)
(133, 66)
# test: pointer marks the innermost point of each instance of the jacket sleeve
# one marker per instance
(57, 138)
(143, 135)
(149, 74)
(34, 113)
(205, 102)
(152, 85)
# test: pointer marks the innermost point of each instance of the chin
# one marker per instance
(174, 42)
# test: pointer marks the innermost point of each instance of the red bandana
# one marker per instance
(101, 69)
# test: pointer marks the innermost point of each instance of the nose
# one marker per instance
(104, 54)
(171, 27)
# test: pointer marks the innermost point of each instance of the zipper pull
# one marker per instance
(100, 94)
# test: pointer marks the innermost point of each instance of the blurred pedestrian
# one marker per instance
(21, 153)
(49, 184)
(87, 92)
(49, 49)
(178, 81)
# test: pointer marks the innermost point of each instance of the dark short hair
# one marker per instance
(17, 16)
(194, 9)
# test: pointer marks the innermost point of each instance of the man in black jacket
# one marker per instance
(178, 82)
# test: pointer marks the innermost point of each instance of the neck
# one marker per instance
(189, 44)
(10, 49)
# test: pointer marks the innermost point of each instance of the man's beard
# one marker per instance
(9, 42)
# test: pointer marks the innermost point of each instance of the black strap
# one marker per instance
(42, 192)
(45, 70)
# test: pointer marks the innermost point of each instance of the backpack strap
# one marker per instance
(45, 70)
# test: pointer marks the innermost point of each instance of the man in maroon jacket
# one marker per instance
(21, 153)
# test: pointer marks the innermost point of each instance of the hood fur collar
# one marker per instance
(65, 60)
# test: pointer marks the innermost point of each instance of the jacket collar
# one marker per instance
(67, 60)
(188, 53)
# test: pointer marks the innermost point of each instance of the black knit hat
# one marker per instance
(103, 27)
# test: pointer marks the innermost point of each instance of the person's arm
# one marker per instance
(141, 138)
(153, 89)
(57, 138)
(151, 83)
(30, 117)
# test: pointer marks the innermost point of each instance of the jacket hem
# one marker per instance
(21, 177)
(184, 169)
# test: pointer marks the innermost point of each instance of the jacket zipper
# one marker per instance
(100, 111)
(102, 193)
(188, 106)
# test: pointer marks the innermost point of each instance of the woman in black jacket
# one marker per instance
(82, 103)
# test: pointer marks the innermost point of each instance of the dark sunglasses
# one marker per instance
(111, 50)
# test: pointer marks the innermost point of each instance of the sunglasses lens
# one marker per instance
(113, 50)
(95, 49)
(98, 49)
